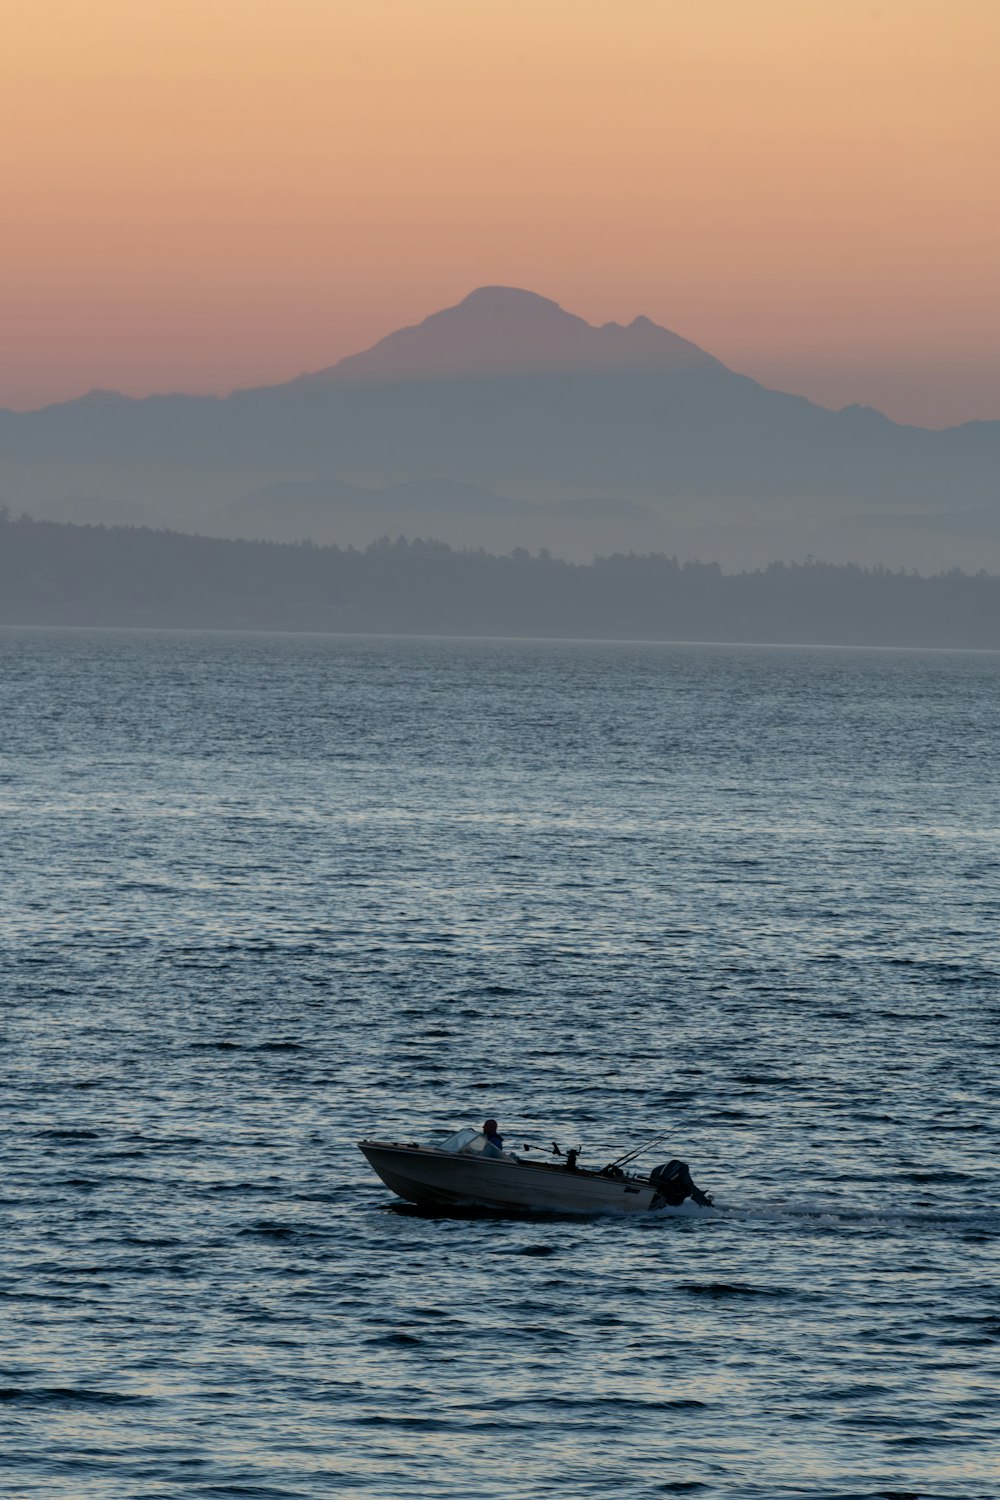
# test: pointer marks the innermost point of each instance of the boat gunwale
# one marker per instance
(508, 1160)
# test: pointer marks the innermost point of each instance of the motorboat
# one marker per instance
(467, 1170)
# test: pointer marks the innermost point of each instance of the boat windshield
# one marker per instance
(469, 1139)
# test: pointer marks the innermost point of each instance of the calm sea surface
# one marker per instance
(265, 895)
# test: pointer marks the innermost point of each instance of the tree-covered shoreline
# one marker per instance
(53, 574)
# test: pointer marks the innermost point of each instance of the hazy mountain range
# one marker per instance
(505, 421)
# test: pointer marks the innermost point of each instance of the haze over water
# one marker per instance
(265, 895)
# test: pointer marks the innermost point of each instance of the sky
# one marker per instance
(205, 194)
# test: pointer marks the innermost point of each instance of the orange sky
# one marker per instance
(198, 194)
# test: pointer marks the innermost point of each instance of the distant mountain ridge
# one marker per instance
(333, 511)
(500, 330)
(506, 395)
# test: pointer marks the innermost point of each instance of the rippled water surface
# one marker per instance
(263, 896)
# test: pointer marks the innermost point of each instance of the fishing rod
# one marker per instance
(635, 1151)
(620, 1161)
(553, 1151)
(571, 1157)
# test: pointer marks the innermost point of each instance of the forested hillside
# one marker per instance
(54, 574)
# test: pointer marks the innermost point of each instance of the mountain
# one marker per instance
(499, 330)
(508, 397)
(333, 511)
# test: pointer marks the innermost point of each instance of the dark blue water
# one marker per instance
(263, 896)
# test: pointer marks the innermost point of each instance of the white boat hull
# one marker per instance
(424, 1175)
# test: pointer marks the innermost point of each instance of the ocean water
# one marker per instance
(264, 895)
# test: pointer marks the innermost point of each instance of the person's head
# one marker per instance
(490, 1127)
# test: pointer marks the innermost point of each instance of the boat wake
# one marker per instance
(981, 1218)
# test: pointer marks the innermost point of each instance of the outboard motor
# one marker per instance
(673, 1183)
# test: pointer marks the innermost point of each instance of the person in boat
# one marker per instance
(491, 1131)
